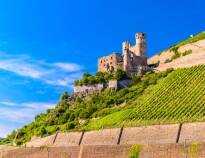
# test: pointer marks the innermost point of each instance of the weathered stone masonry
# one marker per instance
(131, 59)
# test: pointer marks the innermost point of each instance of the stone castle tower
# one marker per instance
(132, 59)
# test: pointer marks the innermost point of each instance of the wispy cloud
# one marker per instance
(68, 66)
(20, 113)
(57, 74)
(23, 111)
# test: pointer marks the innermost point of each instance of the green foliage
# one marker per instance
(100, 77)
(193, 151)
(135, 79)
(168, 60)
(179, 97)
(119, 74)
(187, 52)
(195, 38)
(64, 96)
(177, 54)
(134, 151)
(171, 96)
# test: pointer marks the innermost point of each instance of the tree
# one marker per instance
(64, 96)
(119, 74)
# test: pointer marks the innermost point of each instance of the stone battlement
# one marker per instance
(94, 88)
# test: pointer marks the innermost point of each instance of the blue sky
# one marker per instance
(46, 45)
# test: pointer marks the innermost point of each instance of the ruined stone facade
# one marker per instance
(132, 59)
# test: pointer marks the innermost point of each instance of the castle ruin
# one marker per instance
(132, 60)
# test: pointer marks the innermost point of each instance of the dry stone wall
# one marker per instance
(101, 137)
(68, 139)
(105, 151)
(110, 151)
(192, 132)
(158, 134)
(39, 142)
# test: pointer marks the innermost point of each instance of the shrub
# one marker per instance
(134, 151)
(64, 96)
(119, 74)
(193, 151)
(176, 55)
(187, 52)
(70, 125)
(168, 60)
(135, 79)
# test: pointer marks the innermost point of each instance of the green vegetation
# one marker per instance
(177, 54)
(179, 97)
(100, 77)
(172, 96)
(195, 38)
(187, 52)
(168, 60)
(134, 151)
(193, 151)
(69, 115)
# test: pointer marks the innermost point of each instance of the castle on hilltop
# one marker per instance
(132, 60)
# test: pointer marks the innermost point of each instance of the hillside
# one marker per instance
(170, 96)
(183, 54)
(156, 98)
(179, 97)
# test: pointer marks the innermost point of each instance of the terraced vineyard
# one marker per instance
(179, 97)
(155, 98)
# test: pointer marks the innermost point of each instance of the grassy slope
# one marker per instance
(156, 99)
(195, 38)
(180, 97)
(162, 98)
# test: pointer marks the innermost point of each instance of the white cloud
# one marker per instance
(20, 113)
(58, 74)
(21, 68)
(68, 66)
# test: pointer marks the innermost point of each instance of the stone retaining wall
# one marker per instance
(158, 134)
(192, 132)
(101, 137)
(39, 142)
(110, 151)
(68, 139)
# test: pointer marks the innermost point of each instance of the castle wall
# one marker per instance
(89, 89)
(131, 58)
(184, 62)
(114, 84)
(196, 58)
(109, 63)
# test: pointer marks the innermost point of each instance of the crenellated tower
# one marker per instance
(141, 44)
(133, 57)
